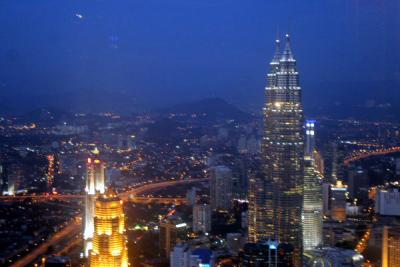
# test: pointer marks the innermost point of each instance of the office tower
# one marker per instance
(283, 150)
(391, 247)
(312, 199)
(94, 186)
(202, 218)
(338, 201)
(387, 202)
(334, 165)
(310, 138)
(171, 232)
(109, 239)
(52, 169)
(326, 192)
(267, 253)
(358, 182)
(221, 188)
(259, 199)
(191, 196)
(234, 242)
(15, 179)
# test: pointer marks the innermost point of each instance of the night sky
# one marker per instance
(141, 54)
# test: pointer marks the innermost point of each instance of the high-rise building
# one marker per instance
(387, 202)
(259, 198)
(312, 200)
(391, 247)
(358, 182)
(283, 150)
(221, 188)
(94, 186)
(234, 242)
(338, 201)
(171, 233)
(202, 218)
(109, 239)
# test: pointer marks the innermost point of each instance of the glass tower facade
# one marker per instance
(283, 150)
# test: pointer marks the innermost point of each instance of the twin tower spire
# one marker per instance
(286, 55)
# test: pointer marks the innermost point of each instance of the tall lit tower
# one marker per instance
(283, 150)
(109, 239)
(312, 198)
(94, 186)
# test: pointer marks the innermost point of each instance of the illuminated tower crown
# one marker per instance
(109, 240)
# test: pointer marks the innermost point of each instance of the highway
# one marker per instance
(362, 154)
(75, 226)
(125, 196)
(71, 229)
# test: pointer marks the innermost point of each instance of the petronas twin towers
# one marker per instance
(276, 203)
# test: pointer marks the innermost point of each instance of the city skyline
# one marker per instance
(199, 133)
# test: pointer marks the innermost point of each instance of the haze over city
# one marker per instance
(82, 55)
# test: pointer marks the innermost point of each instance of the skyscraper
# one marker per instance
(258, 227)
(283, 150)
(312, 199)
(338, 201)
(391, 247)
(221, 188)
(94, 186)
(109, 240)
(201, 218)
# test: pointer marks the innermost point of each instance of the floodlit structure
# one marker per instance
(312, 199)
(391, 247)
(283, 151)
(258, 203)
(338, 201)
(94, 185)
(109, 239)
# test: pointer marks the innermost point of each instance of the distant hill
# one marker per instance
(45, 116)
(208, 108)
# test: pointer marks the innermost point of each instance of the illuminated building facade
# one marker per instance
(338, 200)
(50, 170)
(94, 185)
(109, 240)
(283, 151)
(391, 247)
(312, 199)
(258, 229)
